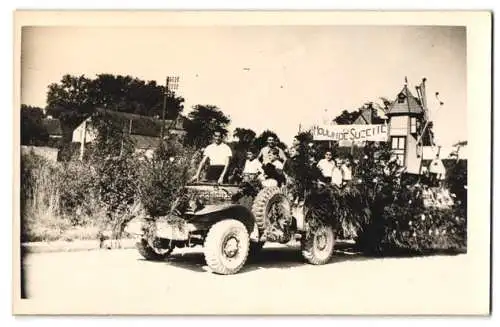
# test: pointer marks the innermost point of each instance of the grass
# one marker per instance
(43, 219)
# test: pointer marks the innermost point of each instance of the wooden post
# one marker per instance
(82, 145)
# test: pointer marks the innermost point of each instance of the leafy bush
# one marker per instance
(76, 183)
(162, 177)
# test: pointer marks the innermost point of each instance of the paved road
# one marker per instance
(277, 281)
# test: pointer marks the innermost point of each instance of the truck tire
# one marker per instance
(226, 247)
(263, 202)
(319, 245)
(149, 253)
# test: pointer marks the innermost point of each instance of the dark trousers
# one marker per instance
(213, 173)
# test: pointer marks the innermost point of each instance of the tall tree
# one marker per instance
(346, 118)
(240, 147)
(204, 120)
(245, 136)
(304, 137)
(132, 95)
(33, 132)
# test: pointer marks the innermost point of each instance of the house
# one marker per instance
(369, 114)
(144, 131)
(53, 127)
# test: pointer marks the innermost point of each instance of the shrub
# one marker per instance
(76, 185)
(162, 177)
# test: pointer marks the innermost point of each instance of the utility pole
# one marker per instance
(165, 94)
(171, 84)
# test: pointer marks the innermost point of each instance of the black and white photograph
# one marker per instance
(252, 163)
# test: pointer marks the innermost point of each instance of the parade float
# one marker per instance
(415, 193)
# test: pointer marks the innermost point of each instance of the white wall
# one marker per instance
(399, 126)
(90, 136)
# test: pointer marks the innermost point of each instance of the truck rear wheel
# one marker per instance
(318, 246)
(226, 247)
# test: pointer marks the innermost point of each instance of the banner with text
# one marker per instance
(353, 133)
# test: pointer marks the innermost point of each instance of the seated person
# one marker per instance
(253, 167)
(273, 170)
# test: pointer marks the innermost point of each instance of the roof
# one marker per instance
(142, 125)
(356, 116)
(405, 103)
(363, 116)
(53, 126)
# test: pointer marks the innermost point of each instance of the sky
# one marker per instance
(264, 77)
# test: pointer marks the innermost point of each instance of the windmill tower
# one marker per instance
(408, 122)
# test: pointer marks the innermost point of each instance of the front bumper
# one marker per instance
(177, 230)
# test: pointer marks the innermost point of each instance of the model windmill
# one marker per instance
(410, 127)
(429, 140)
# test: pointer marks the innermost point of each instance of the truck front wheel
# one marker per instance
(226, 247)
(150, 253)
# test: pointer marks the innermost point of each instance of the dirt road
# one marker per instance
(277, 281)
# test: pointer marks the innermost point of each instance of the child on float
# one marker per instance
(273, 170)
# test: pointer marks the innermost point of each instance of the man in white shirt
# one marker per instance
(326, 166)
(265, 153)
(218, 154)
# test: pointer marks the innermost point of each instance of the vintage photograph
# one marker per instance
(246, 169)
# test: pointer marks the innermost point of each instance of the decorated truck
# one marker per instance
(232, 222)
